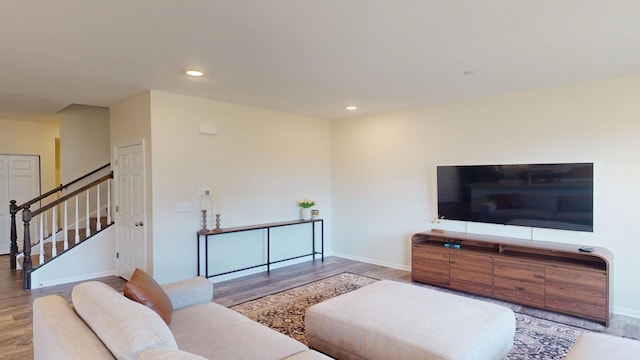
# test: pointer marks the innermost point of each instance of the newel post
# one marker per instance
(26, 265)
(13, 209)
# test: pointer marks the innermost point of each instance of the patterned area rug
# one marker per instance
(535, 338)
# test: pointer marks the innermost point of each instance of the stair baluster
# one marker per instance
(13, 209)
(65, 228)
(98, 220)
(77, 232)
(43, 217)
(54, 230)
(88, 218)
(26, 265)
(41, 242)
(108, 201)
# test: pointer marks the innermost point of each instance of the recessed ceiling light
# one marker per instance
(351, 107)
(194, 73)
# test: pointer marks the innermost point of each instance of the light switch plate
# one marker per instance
(208, 129)
(183, 207)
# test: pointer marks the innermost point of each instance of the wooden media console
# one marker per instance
(551, 276)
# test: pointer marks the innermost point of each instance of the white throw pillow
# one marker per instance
(126, 327)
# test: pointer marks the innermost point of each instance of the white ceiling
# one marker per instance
(310, 57)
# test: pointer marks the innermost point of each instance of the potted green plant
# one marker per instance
(305, 208)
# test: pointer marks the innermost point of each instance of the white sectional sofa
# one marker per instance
(103, 324)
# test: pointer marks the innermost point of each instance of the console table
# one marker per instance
(546, 275)
(206, 234)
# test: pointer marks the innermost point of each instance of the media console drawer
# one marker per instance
(521, 292)
(430, 265)
(552, 276)
(519, 281)
(471, 272)
(518, 270)
(576, 291)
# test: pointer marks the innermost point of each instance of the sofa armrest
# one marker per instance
(189, 292)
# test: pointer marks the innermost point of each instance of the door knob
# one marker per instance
(139, 223)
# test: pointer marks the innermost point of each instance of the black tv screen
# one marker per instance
(557, 196)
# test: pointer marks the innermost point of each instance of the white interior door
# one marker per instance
(20, 181)
(130, 211)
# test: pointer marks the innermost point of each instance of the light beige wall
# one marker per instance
(384, 177)
(32, 138)
(130, 123)
(258, 165)
(84, 140)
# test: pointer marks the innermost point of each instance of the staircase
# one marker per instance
(60, 221)
(48, 247)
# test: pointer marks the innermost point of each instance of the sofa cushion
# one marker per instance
(168, 354)
(126, 327)
(309, 355)
(216, 332)
(143, 289)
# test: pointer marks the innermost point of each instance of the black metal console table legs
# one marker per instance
(210, 233)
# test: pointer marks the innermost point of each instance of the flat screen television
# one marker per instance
(557, 196)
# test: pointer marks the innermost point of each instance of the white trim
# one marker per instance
(263, 269)
(372, 261)
(68, 268)
(71, 279)
(626, 312)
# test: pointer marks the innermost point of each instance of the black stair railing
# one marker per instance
(14, 209)
(28, 215)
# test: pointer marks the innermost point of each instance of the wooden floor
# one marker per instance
(233, 292)
(16, 333)
(16, 314)
(15, 304)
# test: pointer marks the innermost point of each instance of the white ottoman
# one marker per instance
(594, 346)
(393, 320)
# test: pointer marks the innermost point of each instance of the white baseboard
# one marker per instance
(91, 259)
(261, 269)
(372, 261)
(71, 279)
(626, 312)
